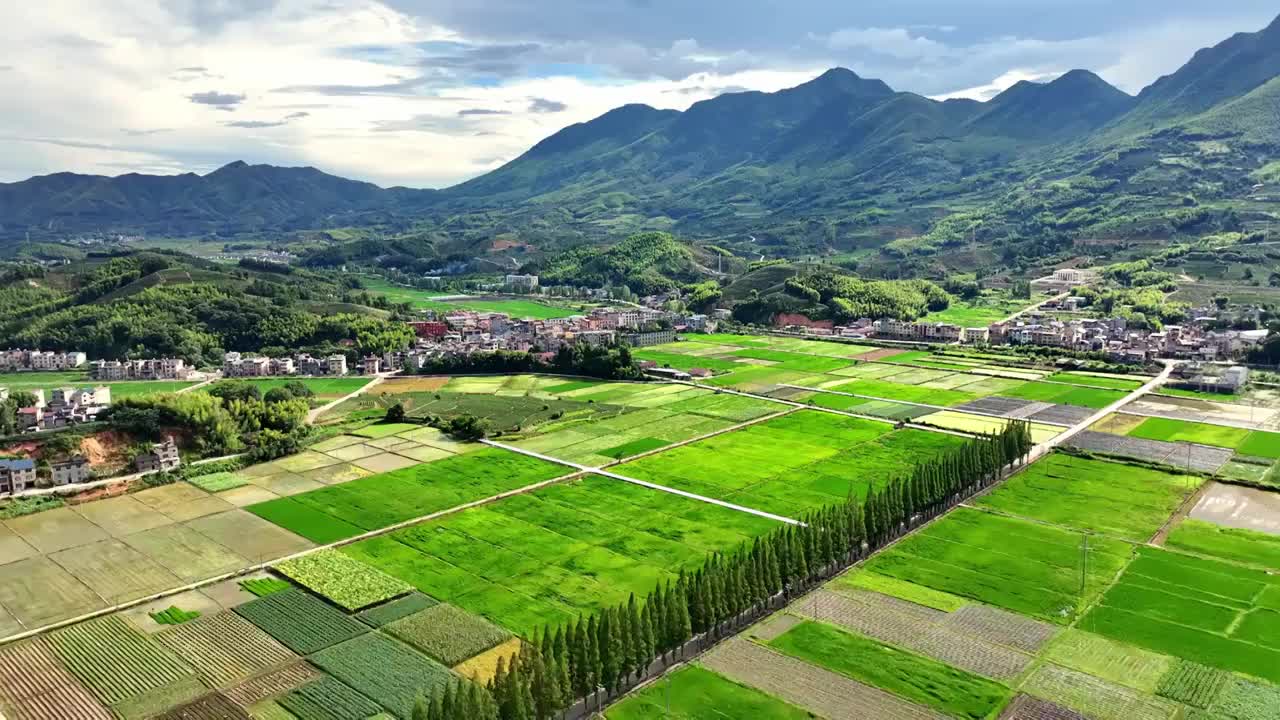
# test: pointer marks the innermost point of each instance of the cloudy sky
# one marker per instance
(426, 93)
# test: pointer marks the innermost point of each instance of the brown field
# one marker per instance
(393, 386)
(224, 648)
(36, 687)
(272, 684)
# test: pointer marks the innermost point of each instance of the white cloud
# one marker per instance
(897, 43)
(997, 86)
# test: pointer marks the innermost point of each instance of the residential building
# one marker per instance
(20, 359)
(647, 339)
(525, 282)
(147, 369)
(371, 365)
(29, 417)
(17, 476)
(71, 472)
(161, 457)
(336, 364)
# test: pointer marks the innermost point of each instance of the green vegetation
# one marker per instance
(301, 622)
(328, 699)
(395, 610)
(695, 693)
(219, 481)
(370, 503)
(646, 263)
(990, 307)
(1064, 395)
(1193, 684)
(1261, 444)
(345, 581)
(1246, 700)
(116, 661)
(905, 393)
(261, 587)
(914, 677)
(1022, 566)
(1110, 660)
(1193, 608)
(173, 615)
(1171, 430)
(383, 670)
(885, 585)
(447, 634)
(18, 507)
(1239, 545)
(1118, 499)
(1097, 381)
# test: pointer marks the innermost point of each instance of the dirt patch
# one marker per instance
(880, 354)
(1239, 507)
(106, 449)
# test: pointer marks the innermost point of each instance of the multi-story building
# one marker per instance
(646, 339)
(336, 364)
(148, 369)
(41, 360)
(71, 472)
(371, 365)
(526, 282)
(161, 457)
(17, 476)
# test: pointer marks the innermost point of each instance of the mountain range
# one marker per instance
(840, 164)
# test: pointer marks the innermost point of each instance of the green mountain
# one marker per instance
(839, 166)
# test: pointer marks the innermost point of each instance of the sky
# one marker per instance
(428, 93)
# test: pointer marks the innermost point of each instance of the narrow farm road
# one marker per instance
(317, 412)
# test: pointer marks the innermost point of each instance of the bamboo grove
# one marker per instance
(610, 650)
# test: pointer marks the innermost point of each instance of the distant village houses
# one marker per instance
(162, 457)
(40, 360)
(148, 369)
(236, 365)
(17, 476)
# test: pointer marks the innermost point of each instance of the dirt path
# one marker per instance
(317, 412)
(1183, 511)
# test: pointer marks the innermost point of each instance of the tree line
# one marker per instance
(613, 362)
(617, 645)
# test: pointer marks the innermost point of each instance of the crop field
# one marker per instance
(966, 422)
(116, 661)
(1029, 568)
(905, 392)
(1110, 660)
(914, 677)
(1194, 608)
(827, 457)
(1095, 398)
(35, 686)
(301, 622)
(224, 648)
(447, 634)
(1097, 380)
(1169, 430)
(1234, 544)
(341, 579)
(426, 300)
(328, 698)
(1115, 499)
(383, 670)
(541, 558)
(374, 502)
(695, 693)
(47, 381)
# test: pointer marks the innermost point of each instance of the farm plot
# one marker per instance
(1110, 660)
(542, 558)
(808, 686)
(793, 361)
(37, 591)
(602, 442)
(383, 670)
(1167, 430)
(447, 634)
(758, 379)
(272, 684)
(821, 465)
(248, 536)
(396, 609)
(1239, 507)
(1116, 499)
(224, 648)
(1239, 545)
(301, 622)
(964, 422)
(1097, 380)
(1095, 698)
(695, 693)
(115, 571)
(1204, 410)
(214, 706)
(35, 686)
(887, 409)
(380, 500)
(342, 579)
(913, 677)
(1246, 700)
(1026, 567)
(1194, 608)
(1065, 394)
(892, 390)
(118, 663)
(328, 698)
(1192, 457)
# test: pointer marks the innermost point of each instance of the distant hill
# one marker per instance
(836, 165)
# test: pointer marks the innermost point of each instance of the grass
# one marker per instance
(1117, 499)
(345, 581)
(1064, 394)
(1234, 544)
(301, 622)
(1193, 608)
(885, 585)
(447, 634)
(374, 502)
(1022, 566)
(383, 670)
(381, 430)
(916, 678)
(1170, 430)
(695, 693)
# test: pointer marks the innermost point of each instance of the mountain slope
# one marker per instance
(1073, 105)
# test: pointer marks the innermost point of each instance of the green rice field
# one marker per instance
(1065, 394)
(1119, 500)
(827, 457)
(48, 381)
(544, 557)
(695, 693)
(427, 300)
(1255, 443)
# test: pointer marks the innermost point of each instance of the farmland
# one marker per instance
(427, 300)
(47, 381)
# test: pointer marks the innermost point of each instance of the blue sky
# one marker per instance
(427, 93)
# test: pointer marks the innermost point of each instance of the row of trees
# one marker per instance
(605, 362)
(617, 645)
